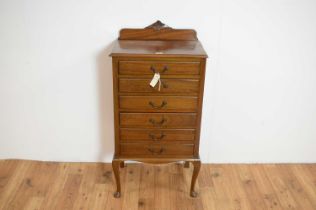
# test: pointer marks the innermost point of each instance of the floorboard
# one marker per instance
(35, 185)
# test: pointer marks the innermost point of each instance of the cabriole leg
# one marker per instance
(116, 169)
(122, 164)
(196, 170)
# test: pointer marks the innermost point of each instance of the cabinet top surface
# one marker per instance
(158, 48)
(158, 40)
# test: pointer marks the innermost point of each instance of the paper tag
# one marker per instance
(155, 80)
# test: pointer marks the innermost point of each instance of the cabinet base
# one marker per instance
(118, 163)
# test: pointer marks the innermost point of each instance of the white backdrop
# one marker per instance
(56, 86)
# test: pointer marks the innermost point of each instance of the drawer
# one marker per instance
(167, 86)
(156, 149)
(156, 120)
(150, 67)
(156, 135)
(159, 103)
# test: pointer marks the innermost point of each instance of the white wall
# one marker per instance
(56, 87)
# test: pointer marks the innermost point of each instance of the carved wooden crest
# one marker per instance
(158, 25)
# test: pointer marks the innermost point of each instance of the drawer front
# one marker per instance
(155, 120)
(156, 135)
(156, 150)
(167, 86)
(159, 103)
(150, 67)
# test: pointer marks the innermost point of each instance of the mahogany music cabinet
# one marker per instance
(158, 82)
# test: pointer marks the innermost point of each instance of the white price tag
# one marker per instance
(155, 80)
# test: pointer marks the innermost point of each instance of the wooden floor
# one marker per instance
(89, 186)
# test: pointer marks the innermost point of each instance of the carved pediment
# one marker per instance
(158, 25)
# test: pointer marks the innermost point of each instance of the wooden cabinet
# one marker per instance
(159, 124)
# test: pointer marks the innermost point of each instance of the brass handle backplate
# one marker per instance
(155, 138)
(156, 152)
(164, 103)
(153, 69)
(155, 123)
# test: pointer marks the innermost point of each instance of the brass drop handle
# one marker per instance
(165, 68)
(156, 152)
(155, 123)
(152, 68)
(153, 137)
(164, 103)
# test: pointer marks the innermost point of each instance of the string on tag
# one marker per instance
(159, 84)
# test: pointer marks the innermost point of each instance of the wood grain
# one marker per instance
(158, 103)
(157, 120)
(179, 86)
(156, 135)
(162, 67)
(51, 185)
(157, 150)
(163, 34)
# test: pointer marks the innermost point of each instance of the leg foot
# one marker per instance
(116, 169)
(117, 195)
(196, 170)
(186, 164)
(193, 194)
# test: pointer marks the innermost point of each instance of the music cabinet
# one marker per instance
(158, 82)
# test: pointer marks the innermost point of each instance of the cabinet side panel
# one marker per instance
(200, 106)
(115, 101)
